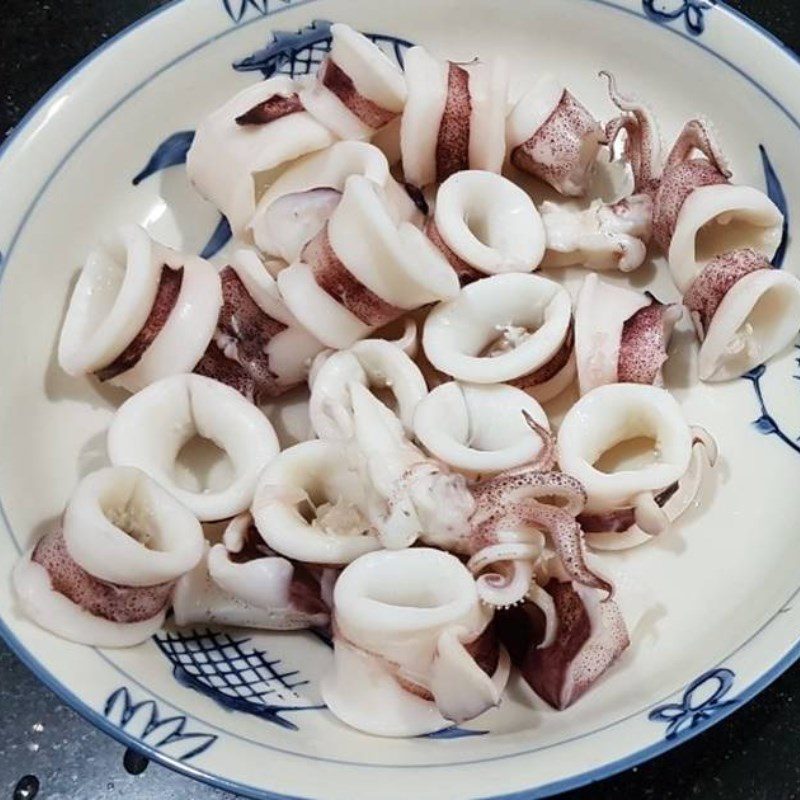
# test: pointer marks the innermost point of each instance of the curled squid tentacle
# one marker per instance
(504, 572)
(698, 134)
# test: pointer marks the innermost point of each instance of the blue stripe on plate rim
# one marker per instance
(94, 716)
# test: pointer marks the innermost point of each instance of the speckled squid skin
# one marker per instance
(336, 80)
(466, 274)
(334, 277)
(553, 152)
(169, 288)
(123, 604)
(715, 281)
(643, 347)
(272, 108)
(549, 370)
(452, 146)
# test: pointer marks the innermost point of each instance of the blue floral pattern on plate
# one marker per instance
(145, 722)
(703, 699)
(692, 11)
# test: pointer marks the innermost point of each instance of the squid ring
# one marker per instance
(481, 429)
(403, 625)
(500, 329)
(105, 575)
(310, 475)
(610, 415)
(150, 428)
(487, 223)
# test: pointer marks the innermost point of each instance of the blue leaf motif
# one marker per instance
(766, 425)
(454, 732)
(692, 11)
(235, 675)
(238, 8)
(169, 153)
(219, 238)
(143, 721)
(778, 196)
(702, 700)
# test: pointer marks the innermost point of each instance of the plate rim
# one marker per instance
(96, 717)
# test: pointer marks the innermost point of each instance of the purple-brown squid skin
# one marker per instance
(561, 673)
(466, 273)
(169, 287)
(123, 604)
(549, 370)
(336, 80)
(334, 278)
(237, 355)
(513, 502)
(715, 281)
(269, 110)
(452, 145)
(620, 520)
(645, 339)
(561, 140)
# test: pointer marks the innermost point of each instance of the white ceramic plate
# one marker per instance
(242, 711)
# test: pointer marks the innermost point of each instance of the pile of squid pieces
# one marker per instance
(428, 517)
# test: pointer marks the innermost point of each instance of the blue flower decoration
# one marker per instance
(692, 11)
(144, 722)
(702, 700)
(236, 675)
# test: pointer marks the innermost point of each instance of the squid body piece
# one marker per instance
(363, 270)
(621, 335)
(454, 117)
(259, 348)
(240, 148)
(411, 639)
(618, 502)
(481, 429)
(241, 582)
(139, 312)
(150, 429)
(297, 206)
(510, 328)
(553, 137)
(370, 362)
(105, 575)
(313, 478)
(485, 225)
(603, 237)
(357, 89)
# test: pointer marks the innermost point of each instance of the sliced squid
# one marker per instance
(605, 236)
(312, 478)
(105, 575)
(609, 416)
(296, 207)
(240, 148)
(412, 640)
(552, 136)
(483, 429)
(621, 335)
(140, 311)
(150, 429)
(454, 117)
(367, 270)
(241, 582)
(357, 89)
(258, 348)
(590, 635)
(745, 312)
(618, 530)
(505, 329)
(371, 362)
(485, 225)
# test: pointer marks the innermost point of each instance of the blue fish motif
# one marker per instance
(171, 152)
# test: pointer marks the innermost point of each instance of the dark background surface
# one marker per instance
(753, 755)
